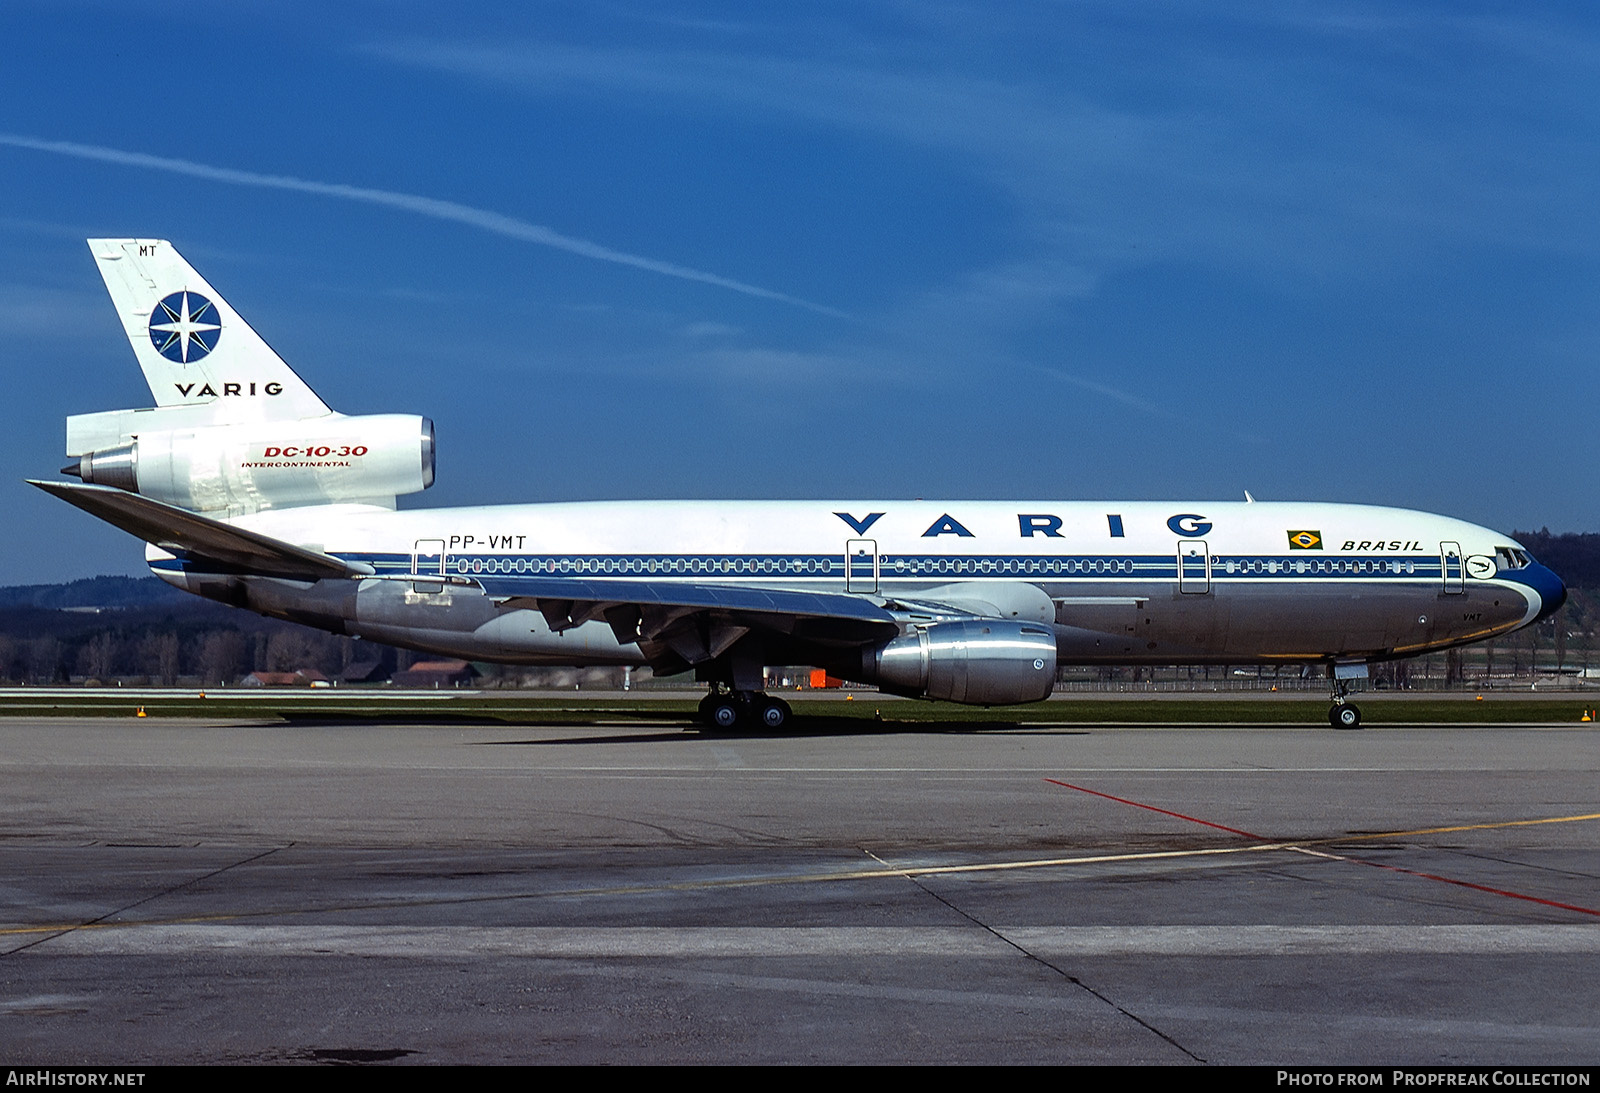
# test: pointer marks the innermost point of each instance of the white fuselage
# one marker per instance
(1127, 582)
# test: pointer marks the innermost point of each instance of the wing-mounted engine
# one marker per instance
(980, 662)
(249, 466)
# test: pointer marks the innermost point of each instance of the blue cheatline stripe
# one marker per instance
(918, 566)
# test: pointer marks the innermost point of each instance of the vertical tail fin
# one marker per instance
(194, 349)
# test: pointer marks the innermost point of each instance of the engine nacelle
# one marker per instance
(245, 467)
(979, 662)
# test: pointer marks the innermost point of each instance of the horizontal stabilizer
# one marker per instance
(182, 532)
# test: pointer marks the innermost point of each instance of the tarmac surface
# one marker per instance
(194, 892)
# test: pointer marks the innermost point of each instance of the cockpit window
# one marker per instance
(1511, 557)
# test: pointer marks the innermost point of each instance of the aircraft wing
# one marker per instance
(664, 612)
(681, 594)
(186, 533)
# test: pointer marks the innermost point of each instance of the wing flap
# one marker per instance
(666, 611)
(183, 532)
(775, 601)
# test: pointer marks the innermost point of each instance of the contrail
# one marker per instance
(488, 221)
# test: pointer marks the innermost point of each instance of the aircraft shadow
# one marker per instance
(801, 727)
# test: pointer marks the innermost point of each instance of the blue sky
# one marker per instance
(1342, 251)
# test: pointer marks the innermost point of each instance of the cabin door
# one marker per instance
(427, 560)
(1450, 564)
(1194, 566)
(861, 565)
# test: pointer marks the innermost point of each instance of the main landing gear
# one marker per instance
(725, 710)
(1343, 714)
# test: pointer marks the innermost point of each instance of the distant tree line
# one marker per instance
(109, 628)
(143, 631)
(1574, 557)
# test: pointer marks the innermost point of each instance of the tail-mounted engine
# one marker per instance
(244, 467)
(980, 662)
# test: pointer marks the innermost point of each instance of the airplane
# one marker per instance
(249, 490)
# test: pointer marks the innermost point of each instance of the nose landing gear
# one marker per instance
(1343, 714)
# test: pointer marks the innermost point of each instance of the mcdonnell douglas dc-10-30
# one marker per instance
(249, 490)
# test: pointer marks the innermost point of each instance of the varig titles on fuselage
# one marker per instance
(1029, 525)
(1187, 525)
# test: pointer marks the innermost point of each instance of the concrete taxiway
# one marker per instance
(243, 892)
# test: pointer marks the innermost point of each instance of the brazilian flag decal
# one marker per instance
(1305, 540)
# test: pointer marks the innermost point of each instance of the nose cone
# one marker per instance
(1546, 585)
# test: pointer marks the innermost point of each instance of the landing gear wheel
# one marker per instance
(723, 712)
(774, 714)
(1346, 715)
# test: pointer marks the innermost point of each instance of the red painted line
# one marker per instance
(1459, 883)
(1163, 811)
(1506, 892)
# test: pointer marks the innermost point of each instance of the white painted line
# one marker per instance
(841, 941)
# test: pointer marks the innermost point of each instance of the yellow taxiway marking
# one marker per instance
(1458, 827)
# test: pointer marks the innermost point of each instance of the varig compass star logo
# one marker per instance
(185, 327)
